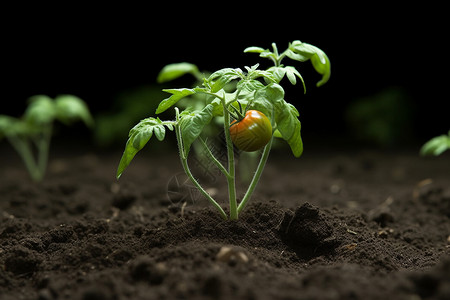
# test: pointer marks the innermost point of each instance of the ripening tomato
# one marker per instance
(251, 133)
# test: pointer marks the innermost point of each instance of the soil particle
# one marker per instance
(232, 255)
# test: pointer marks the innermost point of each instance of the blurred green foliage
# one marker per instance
(129, 107)
(30, 135)
(134, 104)
(384, 119)
(436, 146)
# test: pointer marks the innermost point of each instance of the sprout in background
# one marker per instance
(34, 129)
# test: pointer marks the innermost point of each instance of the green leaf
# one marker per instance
(248, 86)
(297, 56)
(270, 101)
(177, 94)
(174, 71)
(220, 78)
(290, 127)
(278, 73)
(436, 146)
(160, 132)
(253, 74)
(268, 54)
(41, 110)
(321, 64)
(217, 107)
(192, 124)
(298, 51)
(10, 126)
(304, 51)
(139, 137)
(70, 108)
(291, 76)
(291, 73)
(254, 50)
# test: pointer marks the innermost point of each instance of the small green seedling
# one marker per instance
(252, 114)
(436, 146)
(32, 132)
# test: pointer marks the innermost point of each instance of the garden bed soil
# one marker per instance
(334, 225)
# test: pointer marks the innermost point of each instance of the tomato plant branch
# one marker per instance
(214, 159)
(201, 189)
(188, 172)
(276, 59)
(256, 176)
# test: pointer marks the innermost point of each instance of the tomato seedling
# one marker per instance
(32, 132)
(253, 113)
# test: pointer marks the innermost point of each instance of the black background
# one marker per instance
(95, 53)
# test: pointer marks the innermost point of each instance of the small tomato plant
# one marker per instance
(252, 114)
(32, 133)
(436, 146)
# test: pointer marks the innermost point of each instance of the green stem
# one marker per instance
(279, 58)
(275, 49)
(231, 168)
(213, 158)
(256, 176)
(43, 146)
(188, 172)
(24, 150)
(238, 115)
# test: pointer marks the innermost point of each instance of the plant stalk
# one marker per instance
(278, 58)
(23, 148)
(231, 168)
(188, 172)
(214, 159)
(256, 176)
(43, 146)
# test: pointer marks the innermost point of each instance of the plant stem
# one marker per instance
(213, 158)
(256, 176)
(200, 188)
(188, 172)
(231, 168)
(24, 150)
(275, 49)
(279, 58)
(43, 146)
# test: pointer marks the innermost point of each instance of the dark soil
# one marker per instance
(359, 225)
